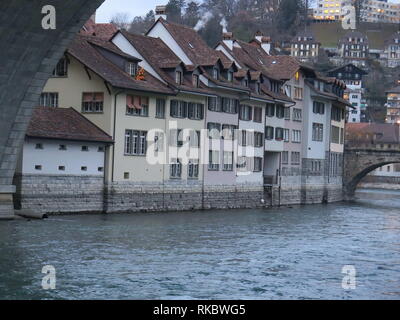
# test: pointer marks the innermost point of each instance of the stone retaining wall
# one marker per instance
(72, 194)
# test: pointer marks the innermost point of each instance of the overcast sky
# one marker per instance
(133, 8)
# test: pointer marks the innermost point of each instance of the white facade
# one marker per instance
(62, 157)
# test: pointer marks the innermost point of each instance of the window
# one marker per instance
(318, 107)
(257, 164)
(61, 70)
(194, 139)
(258, 88)
(287, 113)
(295, 157)
(85, 148)
(39, 146)
(135, 142)
(241, 163)
(228, 131)
(243, 138)
(258, 139)
(317, 132)
(137, 106)
(341, 135)
(62, 147)
(285, 157)
(61, 168)
(195, 80)
(49, 99)
(131, 68)
(176, 137)
(296, 136)
(178, 109)
(178, 77)
(278, 134)
(215, 73)
(83, 168)
(229, 105)
(213, 160)
(195, 111)
(337, 114)
(257, 114)
(245, 112)
(335, 134)
(298, 93)
(126, 175)
(228, 161)
(270, 111)
(160, 108)
(38, 167)
(297, 116)
(193, 169)
(214, 130)
(286, 133)
(100, 149)
(100, 169)
(280, 111)
(93, 102)
(230, 76)
(269, 133)
(214, 104)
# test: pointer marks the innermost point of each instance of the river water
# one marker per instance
(282, 253)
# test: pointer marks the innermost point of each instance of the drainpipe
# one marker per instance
(114, 126)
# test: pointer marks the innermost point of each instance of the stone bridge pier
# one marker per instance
(28, 55)
(359, 162)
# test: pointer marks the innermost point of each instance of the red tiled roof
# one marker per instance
(100, 30)
(85, 52)
(64, 123)
(373, 132)
(191, 43)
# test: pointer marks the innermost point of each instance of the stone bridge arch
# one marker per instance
(358, 163)
(28, 55)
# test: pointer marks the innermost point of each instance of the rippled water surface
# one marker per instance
(285, 253)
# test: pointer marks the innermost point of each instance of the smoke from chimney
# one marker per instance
(203, 21)
(224, 25)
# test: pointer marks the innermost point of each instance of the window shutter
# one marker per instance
(250, 113)
(185, 109)
(172, 110)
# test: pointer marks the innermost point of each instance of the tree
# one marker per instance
(192, 14)
(290, 15)
(121, 20)
(174, 10)
(140, 25)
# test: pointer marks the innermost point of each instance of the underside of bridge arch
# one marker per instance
(358, 164)
(28, 55)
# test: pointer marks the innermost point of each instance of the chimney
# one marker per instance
(227, 38)
(161, 12)
(266, 44)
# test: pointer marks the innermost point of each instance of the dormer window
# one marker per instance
(131, 68)
(258, 88)
(195, 80)
(178, 77)
(215, 73)
(61, 70)
(230, 76)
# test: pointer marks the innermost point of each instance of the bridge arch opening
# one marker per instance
(352, 185)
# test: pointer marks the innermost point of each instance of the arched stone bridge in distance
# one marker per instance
(28, 55)
(359, 162)
(368, 146)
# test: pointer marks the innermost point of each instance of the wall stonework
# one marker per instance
(59, 194)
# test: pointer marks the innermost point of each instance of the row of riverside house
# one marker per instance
(183, 126)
